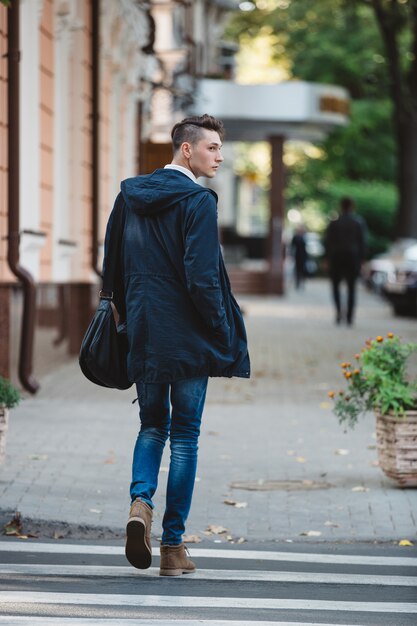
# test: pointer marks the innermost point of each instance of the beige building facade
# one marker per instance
(89, 91)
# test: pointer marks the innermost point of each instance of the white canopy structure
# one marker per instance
(293, 109)
(274, 112)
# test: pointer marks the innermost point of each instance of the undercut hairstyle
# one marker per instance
(190, 130)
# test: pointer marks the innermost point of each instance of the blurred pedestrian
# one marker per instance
(345, 246)
(183, 326)
(299, 254)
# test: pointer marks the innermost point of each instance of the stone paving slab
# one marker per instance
(69, 448)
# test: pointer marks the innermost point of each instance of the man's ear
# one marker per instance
(186, 149)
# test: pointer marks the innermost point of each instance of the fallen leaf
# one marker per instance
(229, 538)
(57, 535)
(332, 524)
(192, 539)
(95, 510)
(214, 529)
(341, 452)
(39, 457)
(241, 540)
(311, 533)
(301, 459)
(360, 488)
(15, 526)
(405, 542)
(237, 505)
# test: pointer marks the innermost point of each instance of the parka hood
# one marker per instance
(160, 191)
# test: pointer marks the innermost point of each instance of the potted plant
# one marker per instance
(9, 397)
(378, 381)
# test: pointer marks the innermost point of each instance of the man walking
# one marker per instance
(345, 251)
(183, 326)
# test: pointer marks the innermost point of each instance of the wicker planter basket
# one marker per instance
(4, 424)
(397, 447)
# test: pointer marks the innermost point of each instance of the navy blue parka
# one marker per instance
(171, 284)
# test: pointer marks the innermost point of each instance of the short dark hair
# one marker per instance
(190, 130)
(347, 204)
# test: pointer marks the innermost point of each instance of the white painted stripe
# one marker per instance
(258, 555)
(117, 571)
(21, 620)
(103, 599)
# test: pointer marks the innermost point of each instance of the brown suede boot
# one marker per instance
(138, 535)
(174, 561)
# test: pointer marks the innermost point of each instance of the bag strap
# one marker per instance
(112, 248)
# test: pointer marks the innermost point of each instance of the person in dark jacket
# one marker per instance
(299, 253)
(183, 326)
(345, 246)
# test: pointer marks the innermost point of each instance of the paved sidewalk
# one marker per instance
(69, 448)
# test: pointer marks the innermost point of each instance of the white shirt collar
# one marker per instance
(182, 169)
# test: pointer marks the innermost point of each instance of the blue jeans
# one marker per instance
(183, 428)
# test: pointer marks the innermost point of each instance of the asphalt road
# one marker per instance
(79, 583)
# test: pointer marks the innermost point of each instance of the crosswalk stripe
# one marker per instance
(258, 555)
(21, 620)
(161, 601)
(116, 571)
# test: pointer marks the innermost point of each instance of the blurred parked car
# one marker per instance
(394, 275)
(376, 272)
(315, 251)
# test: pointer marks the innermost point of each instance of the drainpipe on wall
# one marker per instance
(13, 255)
(95, 121)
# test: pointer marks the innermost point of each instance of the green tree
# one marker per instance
(339, 41)
(397, 21)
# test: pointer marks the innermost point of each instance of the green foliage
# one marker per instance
(378, 381)
(339, 42)
(363, 150)
(9, 395)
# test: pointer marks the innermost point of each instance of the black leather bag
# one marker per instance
(104, 349)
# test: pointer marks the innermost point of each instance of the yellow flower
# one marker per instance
(343, 365)
(380, 339)
(331, 394)
(357, 356)
(390, 335)
(356, 371)
(348, 374)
